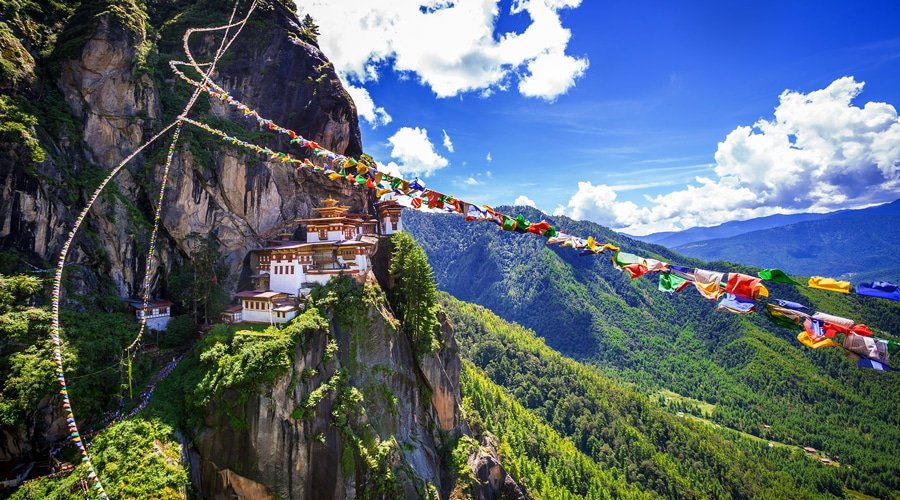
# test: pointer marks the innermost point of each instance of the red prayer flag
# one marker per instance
(742, 285)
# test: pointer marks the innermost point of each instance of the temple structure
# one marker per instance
(157, 312)
(338, 242)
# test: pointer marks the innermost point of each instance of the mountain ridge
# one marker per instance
(675, 239)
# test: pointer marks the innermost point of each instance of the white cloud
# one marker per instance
(415, 152)
(559, 210)
(490, 159)
(471, 181)
(366, 108)
(551, 75)
(447, 142)
(524, 201)
(451, 46)
(819, 153)
(390, 168)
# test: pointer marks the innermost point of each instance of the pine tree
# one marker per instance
(414, 293)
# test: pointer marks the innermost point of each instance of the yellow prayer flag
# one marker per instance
(804, 339)
(762, 291)
(830, 284)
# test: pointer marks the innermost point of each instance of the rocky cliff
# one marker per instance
(359, 414)
(77, 103)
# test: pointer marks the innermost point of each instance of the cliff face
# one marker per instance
(107, 88)
(358, 415)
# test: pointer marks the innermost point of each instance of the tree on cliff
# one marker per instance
(414, 295)
(309, 29)
(198, 283)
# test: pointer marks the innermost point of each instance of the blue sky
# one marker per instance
(633, 104)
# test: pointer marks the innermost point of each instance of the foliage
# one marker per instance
(242, 363)
(754, 372)
(135, 458)
(414, 294)
(180, 332)
(92, 351)
(17, 126)
(198, 284)
(614, 426)
(309, 30)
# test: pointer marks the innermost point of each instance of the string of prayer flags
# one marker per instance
(776, 275)
(737, 304)
(708, 283)
(740, 290)
(672, 283)
(880, 289)
(830, 284)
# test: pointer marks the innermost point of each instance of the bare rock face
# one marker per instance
(493, 480)
(376, 420)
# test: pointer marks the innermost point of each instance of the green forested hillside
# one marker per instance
(621, 431)
(756, 374)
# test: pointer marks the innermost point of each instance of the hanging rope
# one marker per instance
(55, 327)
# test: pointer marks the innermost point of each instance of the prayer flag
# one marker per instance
(874, 365)
(868, 347)
(830, 284)
(880, 289)
(814, 328)
(671, 283)
(786, 317)
(791, 305)
(804, 339)
(707, 283)
(745, 286)
(776, 275)
(635, 270)
(736, 304)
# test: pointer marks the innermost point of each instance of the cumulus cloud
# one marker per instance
(524, 201)
(489, 158)
(819, 153)
(366, 108)
(451, 46)
(415, 153)
(471, 181)
(447, 142)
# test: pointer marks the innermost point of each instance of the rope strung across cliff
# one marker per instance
(55, 327)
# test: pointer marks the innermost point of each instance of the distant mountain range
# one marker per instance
(863, 244)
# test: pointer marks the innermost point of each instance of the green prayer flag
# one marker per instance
(670, 283)
(360, 179)
(550, 232)
(625, 258)
(776, 275)
(509, 224)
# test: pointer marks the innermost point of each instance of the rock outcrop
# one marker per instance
(380, 425)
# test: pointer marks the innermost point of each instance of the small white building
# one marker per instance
(158, 312)
(266, 306)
